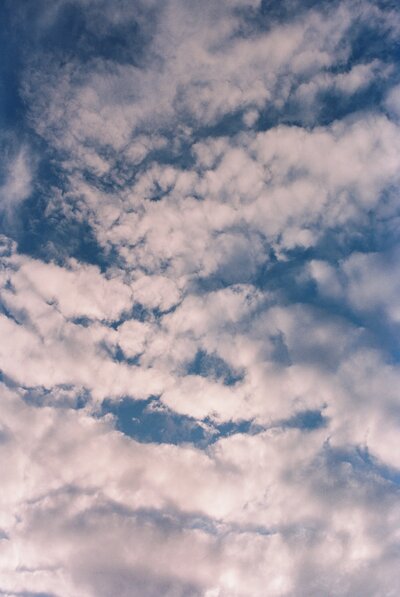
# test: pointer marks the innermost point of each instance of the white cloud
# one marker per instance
(156, 291)
(17, 184)
(229, 520)
(207, 72)
(81, 291)
(369, 282)
(207, 235)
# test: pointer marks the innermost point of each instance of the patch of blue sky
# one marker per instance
(361, 463)
(55, 237)
(228, 125)
(16, 317)
(12, 107)
(269, 13)
(213, 366)
(331, 105)
(140, 420)
(369, 41)
(328, 105)
(149, 421)
(307, 420)
(62, 396)
(292, 285)
(138, 312)
(72, 32)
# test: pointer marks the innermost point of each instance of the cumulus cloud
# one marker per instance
(169, 505)
(229, 173)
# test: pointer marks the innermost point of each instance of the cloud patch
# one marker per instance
(198, 300)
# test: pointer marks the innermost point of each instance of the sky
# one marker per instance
(200, 298)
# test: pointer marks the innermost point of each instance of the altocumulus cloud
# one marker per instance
(199, 289)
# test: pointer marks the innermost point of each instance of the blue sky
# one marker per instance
(199, 298)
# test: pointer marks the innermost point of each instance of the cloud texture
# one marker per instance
(199, 299)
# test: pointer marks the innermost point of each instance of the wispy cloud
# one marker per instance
(16, 177)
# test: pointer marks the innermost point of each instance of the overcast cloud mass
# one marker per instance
(200, 298)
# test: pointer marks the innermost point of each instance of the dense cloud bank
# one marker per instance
(199, 282)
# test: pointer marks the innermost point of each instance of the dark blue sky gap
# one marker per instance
(148, 421)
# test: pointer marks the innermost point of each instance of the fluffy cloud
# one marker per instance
(224, 164)
(235, 517)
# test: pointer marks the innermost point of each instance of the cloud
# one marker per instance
(17, 179)
(77, 292)
(367, 281)
(207, 71)
(114, 488)
(234, 169)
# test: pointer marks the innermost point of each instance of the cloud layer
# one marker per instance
(198, 291)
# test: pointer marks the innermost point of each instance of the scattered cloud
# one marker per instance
(202, 401)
